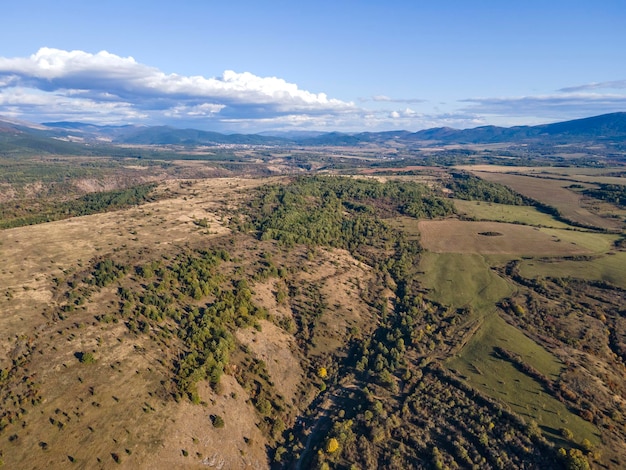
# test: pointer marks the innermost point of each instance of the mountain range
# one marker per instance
(65, 137)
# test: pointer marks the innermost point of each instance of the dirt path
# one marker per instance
(322, 422)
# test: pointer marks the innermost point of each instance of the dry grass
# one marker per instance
(33, 256)
(117, 409)
(277, 349)
(552, 193)
(455, 236)
(119, 412)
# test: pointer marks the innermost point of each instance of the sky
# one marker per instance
(343, 65)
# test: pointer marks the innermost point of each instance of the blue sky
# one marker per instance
(250, 66)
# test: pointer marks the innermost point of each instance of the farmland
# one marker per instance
(464, 268)
(501, 238)
(610, 268)
(554, 193)
(526, 215)
(463, 280)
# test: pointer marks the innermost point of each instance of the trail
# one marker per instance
(322, 423)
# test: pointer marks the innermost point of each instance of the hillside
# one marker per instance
(314, 322)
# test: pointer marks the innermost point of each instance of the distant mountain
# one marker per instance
(607, 126)
(76, 137)
(26, 138)
(292, 135)
(604, 127)
(165, 135)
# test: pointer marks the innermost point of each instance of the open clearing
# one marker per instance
(610, 267)
(455, 236)
(552, 193)
(527, 215)
(462, 280)
(615, 175)
(466, 280)
(501, 380)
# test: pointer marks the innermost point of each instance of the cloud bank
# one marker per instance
(104, 88)
(615, 84)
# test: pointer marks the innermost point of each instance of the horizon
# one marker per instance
(295, 131)
(349, 67)
(274, 133)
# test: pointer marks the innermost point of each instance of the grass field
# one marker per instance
(611, 268)
(466, 280)
(591, 175)
(455, 236)
(462, 280)
(553, 193)
(527, 215)
(501, 380)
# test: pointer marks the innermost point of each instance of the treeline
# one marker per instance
(471, 188)
(169, 293)
(613, 193)
(18, 213)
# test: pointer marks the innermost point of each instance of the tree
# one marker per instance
(332, 445)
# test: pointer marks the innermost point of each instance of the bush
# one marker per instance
(218, 421)
(86, 358)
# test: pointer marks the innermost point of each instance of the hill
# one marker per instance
(307, 322)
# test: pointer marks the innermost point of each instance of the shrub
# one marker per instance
(86, 358)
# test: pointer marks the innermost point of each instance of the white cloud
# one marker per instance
(36, 105)
(206, 109)
(82, 79)
(105, 88)
(67, 71)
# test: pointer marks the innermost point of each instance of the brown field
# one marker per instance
(34, 255)
(99, 414)
(118, 412)
(552, 193)
(500, 168)
(455, 236)
(564, 171)
(429, 169)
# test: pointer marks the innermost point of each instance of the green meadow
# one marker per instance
(608, 267)
(501, 380)
(467, 280)
(527, 215)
